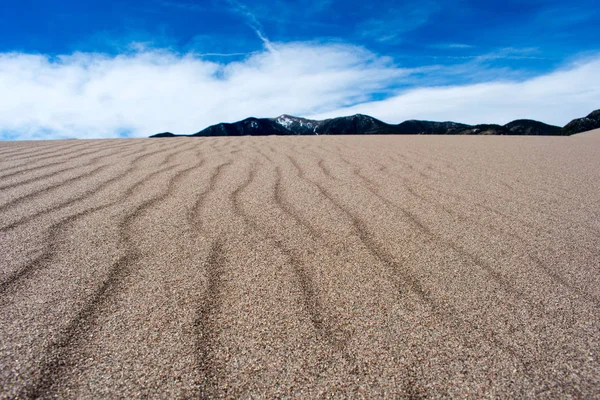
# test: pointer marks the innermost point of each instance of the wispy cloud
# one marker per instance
(221, 54)
(397, 20)
(512, 53)
(253, 22)
(237, 7)
(556, 98)
(452, 46)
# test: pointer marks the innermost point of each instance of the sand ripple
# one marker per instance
(301, 266)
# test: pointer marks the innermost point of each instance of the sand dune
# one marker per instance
(309, 267)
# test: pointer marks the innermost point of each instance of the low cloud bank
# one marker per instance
(555, 98)
(88, 95)
(95, 95)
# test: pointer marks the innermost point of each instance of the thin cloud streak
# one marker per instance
(222, 54)
(396, 21)
(253, 23)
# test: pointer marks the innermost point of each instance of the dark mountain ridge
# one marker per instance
(360, 124)
(592, 121)
(532, 127)
(430, 127)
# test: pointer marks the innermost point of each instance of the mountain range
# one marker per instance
(365, 125)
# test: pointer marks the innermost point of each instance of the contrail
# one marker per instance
(253, 23)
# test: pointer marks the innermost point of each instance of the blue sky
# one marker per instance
(102, 68)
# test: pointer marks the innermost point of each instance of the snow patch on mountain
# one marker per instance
(284, 121)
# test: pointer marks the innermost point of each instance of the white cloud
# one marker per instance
(554, 98)
(89, 95)
(95, 95)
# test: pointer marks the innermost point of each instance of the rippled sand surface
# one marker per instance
(360, 266)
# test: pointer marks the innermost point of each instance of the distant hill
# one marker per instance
(247, 127)
(592, 121)
(164, 135)
(532, 127)
(414, 127)
(360, 124)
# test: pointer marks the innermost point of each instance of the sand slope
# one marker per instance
(301, 266)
